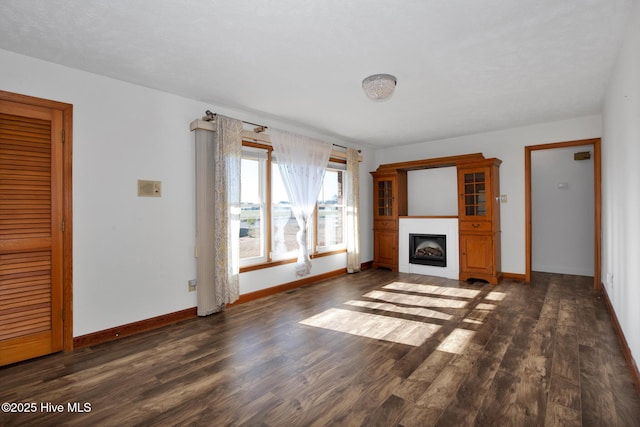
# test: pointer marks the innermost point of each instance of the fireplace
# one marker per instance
(428, 249)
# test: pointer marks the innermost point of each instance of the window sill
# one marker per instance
(270, 264)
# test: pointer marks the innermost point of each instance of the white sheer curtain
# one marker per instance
(353, 202)
(218, 156)
(302, 162)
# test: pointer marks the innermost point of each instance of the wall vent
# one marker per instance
(583, 155)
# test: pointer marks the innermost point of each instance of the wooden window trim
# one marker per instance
(288, 261)
(268, 204)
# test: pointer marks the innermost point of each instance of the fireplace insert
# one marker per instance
(428, 249)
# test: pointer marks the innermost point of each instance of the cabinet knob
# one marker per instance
(475, 225)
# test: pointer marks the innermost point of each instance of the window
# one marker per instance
(268, 227)
(253, 206)
(331, 210)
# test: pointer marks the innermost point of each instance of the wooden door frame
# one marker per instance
(597, 193)
(67, 213)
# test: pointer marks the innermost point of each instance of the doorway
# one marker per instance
(595, 143)
(35, 227)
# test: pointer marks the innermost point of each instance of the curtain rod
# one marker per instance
(209, 116)
(343, 147)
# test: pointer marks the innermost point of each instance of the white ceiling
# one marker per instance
(463, 66)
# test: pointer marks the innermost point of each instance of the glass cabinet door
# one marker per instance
(475, 198)
(385, 198)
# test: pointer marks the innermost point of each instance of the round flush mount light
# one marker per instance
(379, 86)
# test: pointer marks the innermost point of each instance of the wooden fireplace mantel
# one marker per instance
(429, 216)
(438, 162)
(479, 221)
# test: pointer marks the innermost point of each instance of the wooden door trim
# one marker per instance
(597, 201)
(67, 213)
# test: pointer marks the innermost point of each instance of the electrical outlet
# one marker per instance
(192, 285)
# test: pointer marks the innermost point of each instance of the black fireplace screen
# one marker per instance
(428, 249)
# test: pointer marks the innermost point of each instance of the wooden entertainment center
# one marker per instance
(478, 212)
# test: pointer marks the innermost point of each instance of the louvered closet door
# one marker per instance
(30, 231)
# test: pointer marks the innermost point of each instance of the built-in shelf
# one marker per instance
(474, 232)
(390, 203)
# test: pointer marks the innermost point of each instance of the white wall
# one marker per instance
(507, 145)
(432, 192)
(132, 256)
(562, 211)
(621, 186)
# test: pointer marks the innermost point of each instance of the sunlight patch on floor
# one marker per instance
(410, 299)
(416, 311)
(484, 306)
(432, 289)
(495, 296)
(476, 316)
(416, 300)
(456, 341)
(374, 326)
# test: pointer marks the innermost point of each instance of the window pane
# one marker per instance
(331, 210)
(252, 243)
(284, 224)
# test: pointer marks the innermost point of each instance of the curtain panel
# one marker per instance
(218, 156)
(302, 162)
(353, 202)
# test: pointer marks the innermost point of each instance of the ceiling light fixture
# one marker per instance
(379, 86)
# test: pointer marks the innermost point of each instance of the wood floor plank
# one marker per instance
(566, 360)
(561, 416)
(389, 413)
(514, 354)
(463, 408)
(564, 393)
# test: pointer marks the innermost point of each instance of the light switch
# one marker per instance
(563, 185)
(503, 198)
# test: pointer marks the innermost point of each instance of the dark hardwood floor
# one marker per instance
(375, 349)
